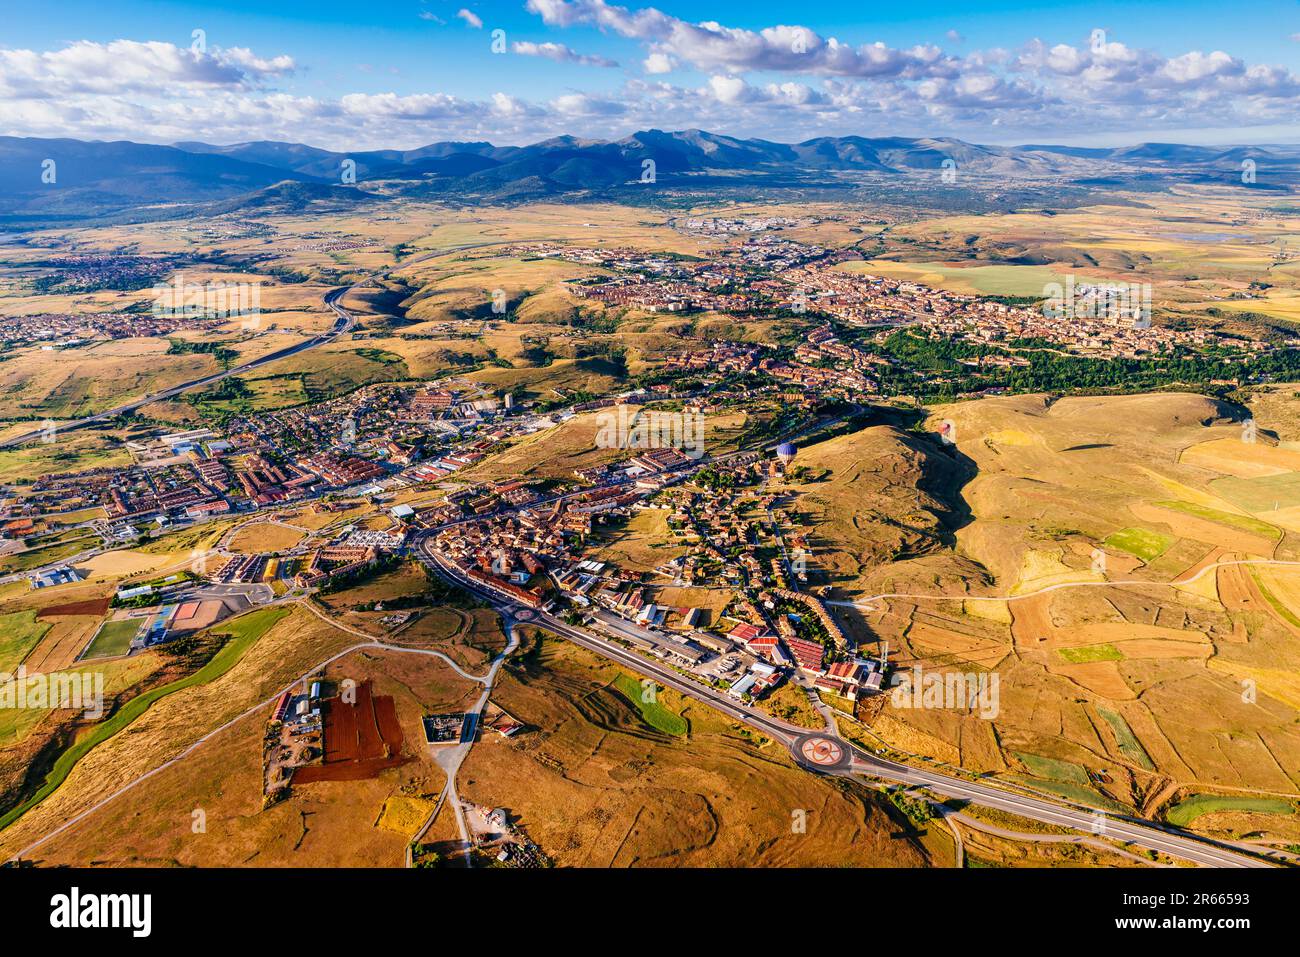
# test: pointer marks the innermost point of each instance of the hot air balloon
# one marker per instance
(785, 452)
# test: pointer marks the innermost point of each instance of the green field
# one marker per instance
(19, 634)
(17, 723)
(652, 712)
(1142, 542)
(1189, 809)
(1243, 522)
(264, 394)
(1053, 769)
(1273, 600)
(1086, 653)
(1065, 778)
(1260, 494)
(71, 453)
(113, 638)
(47, 555)
(243, 632)
(1129, 746)
(1073, 792)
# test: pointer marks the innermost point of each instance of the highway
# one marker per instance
(856, 761)
(343, 322)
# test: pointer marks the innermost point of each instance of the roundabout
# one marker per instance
(822, 753)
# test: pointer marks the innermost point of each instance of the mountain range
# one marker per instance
(106, 177)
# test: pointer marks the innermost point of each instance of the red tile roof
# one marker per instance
(745, 633)
(807, 653)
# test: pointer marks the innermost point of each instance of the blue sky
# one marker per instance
(356, 75)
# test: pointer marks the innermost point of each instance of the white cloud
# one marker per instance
(581, 105)
(125, 65)
(158, 92)
(710, 45)
(1102, 80)
(471, 18)
(560, 53)
(245, 58)
(417, 106)
(658, 63)
(728, 89)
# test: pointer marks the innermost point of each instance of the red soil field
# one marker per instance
(361, 739)
(91, 606)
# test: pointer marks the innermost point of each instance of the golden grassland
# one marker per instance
(259, 537)
(1140, 684)
(118, 675)
(870, 508)
(550, 453)
(642, 542)
(453, 260)
(69, 452)
(1197, 245)
(288, 649)
(964, 278)
(335, 823)
(1191, 243)
(471, 637)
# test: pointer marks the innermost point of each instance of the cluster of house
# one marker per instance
(350, 552)
(55, 329)
(535, 555)
(846, 677)
(197, 474)
(722, 357)
(722, 226)
(767, 272)
(511, 552)
(869, 300)
(732, 279)
(822, 380)
(88, 272)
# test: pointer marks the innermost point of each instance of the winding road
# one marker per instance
(343, 322)
(823, 752)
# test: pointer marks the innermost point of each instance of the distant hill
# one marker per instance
(564, 163)
(108, 179)
(95, 177)
(292, 197)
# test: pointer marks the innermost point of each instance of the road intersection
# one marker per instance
(825, 753)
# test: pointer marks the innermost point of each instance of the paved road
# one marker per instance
(451, 757)
(851, 760)
(955, 817)
(343, 323)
